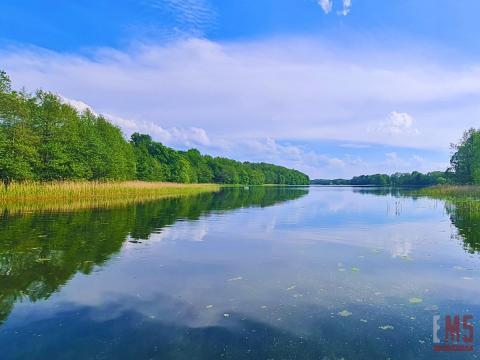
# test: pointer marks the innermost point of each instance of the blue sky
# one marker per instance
(333, 87)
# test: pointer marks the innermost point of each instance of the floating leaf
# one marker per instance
(386, 327)
(415, 300)
(344, 313)
(355, 269)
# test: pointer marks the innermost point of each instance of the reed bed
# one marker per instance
(452, 191)
(458, 198)
(68, 196)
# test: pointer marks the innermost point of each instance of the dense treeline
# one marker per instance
(44, 139)
(160, 163)
(398, 179)
(464, 170)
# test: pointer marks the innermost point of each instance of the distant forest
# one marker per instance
(44, 139)
(464, 169)
(398, 179)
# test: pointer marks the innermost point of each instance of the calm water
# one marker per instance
(259, 273)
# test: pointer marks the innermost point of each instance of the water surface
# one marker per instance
(258, 273)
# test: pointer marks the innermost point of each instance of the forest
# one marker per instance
(414, 178)
(44, 139)
(464, 169)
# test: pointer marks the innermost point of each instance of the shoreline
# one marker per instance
(452, 191)
(70, 195)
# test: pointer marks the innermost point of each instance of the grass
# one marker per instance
(66, 196)
(452, 191)
(463, 199)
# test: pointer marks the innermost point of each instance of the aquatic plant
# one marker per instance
(66, 196)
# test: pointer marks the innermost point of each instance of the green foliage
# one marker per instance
(395, 180)
(466, 159)
(44, 139)
(18, 143)
(158, 162)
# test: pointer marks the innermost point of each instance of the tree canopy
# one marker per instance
(398, 179)
(43, 139)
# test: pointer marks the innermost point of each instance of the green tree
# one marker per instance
(466, 159)
(18, 143)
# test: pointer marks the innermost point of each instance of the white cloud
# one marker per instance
(185, 137)
(192, 17)
(419, 159)
(346, 5)
(326, 5)
(78, 105)
(223, 96)
(355, 146)
(397, 124)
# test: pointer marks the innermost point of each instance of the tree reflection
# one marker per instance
(465, 215)
(39, 252)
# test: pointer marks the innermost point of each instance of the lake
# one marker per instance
(246, 273)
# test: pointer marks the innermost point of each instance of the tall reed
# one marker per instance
(65, 196)
(455, 191)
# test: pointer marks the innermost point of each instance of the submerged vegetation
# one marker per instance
(65, 196)
(42, 138)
